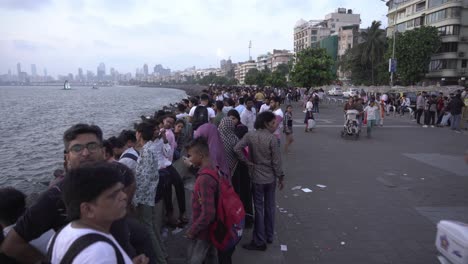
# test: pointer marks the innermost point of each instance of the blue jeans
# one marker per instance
(455, 122)
(370, 124)
(264, 202)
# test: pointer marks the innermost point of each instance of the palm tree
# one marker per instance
(373, 46)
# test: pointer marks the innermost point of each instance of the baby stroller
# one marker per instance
(351, 125)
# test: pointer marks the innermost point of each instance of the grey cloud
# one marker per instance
(27, 5)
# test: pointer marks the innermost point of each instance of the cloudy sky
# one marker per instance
(63, 35)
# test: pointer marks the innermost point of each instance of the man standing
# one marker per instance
(420, 103)
(204, 101)
(266, 172)
(249, 114)
(455, 107)
(265, 106)
(276, 109)
(241, 107)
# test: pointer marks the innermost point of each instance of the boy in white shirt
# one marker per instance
(92, 213)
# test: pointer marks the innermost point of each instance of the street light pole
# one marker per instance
(392, 66)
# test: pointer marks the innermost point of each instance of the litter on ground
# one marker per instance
(296, 188)
(321, 186)
(306, 190)
(284, 248)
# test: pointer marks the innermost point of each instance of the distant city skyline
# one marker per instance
(125, 34)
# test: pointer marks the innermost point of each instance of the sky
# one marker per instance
(63, 35)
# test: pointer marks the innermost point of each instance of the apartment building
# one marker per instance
(308, 33)
(242, 68)
(450, 17)
(272, 60)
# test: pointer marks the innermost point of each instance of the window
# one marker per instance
(436, 65)
(333, 25)
(463, 64)
(449, 30)
(420, 6)
(448, 47)
(434, 3)
(314, 32)
(453, 12)
(401, 27)
(410, 24)
(313, 39)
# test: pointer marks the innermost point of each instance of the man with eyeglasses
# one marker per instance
(83, 145)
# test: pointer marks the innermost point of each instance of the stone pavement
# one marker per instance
(382, 196)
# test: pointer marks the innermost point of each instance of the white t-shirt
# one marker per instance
(248, 118)
(129, 162)
(182, 115)
(371, 112)
(279, 119)
(264, 108)
(97, 253)
(309, 105)
(211, 112)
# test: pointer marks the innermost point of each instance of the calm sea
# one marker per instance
(33, 119)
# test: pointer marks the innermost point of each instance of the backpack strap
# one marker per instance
(213, 174)
(85, 241)
(51, 247)
(130, 156)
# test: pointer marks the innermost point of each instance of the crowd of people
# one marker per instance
(108, 205)
(435, 109)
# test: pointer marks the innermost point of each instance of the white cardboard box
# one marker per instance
(452, 241)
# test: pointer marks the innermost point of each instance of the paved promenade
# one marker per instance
(380, 201)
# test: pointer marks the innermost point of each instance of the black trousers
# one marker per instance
(243, 187)
(175, 180)
(419, 113)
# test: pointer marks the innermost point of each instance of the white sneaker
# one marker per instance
(432, 126)
(425, 126)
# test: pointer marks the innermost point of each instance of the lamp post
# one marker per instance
(392, 61)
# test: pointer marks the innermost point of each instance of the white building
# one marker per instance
(450, 17)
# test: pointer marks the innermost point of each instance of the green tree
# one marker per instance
(313, 68)
(251, 77)
(413, 51)
(373, 47)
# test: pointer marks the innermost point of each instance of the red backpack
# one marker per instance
(226, 230)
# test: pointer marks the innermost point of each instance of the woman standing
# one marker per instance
(266, 172)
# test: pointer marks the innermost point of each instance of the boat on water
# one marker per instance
(66, 85)
(95, 87)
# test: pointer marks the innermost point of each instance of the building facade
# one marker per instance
(450, 17)
(242, 69)
(309, 33)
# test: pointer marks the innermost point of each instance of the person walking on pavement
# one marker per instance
(420, 106)
(266, 172)
(371, 112)
(455, 107)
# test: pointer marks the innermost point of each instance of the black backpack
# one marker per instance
(200, 117)
(79, 245)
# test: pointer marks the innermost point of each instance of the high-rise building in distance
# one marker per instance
(33, 70)
(18, 69)
(145, 69)
(101, 71)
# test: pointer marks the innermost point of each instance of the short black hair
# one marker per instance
(231, 102)
(85, 184)
(127, 177)
(170, 116)
(146, 129)
(219, 105)
(116, 142)
(249, 99)
(241, 100)
(204, 97)
(276, 99)
(264, 118)
(127, 135)
(179, 121)
(199, 143)
(73, 132)
(181, 107)
(234, 113)
(108, 147)
(12, 205)
(186, 101)
(194, 101)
